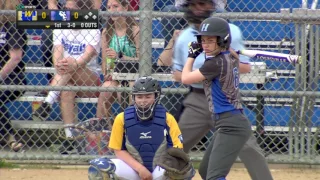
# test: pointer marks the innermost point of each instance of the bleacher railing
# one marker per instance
(284, 112)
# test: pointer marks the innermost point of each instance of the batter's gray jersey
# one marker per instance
(222, 82)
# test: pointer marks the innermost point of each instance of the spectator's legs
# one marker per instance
(68, 117)
(46, 49)
(106, 99)
(45, 109)
(67, 106)
(169, 24)
(6, 130)
(82, 77)
(58, 80)
(5, 125)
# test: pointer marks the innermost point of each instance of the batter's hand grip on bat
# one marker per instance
(266, 55)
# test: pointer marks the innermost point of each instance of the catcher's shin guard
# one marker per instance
(102, 169)
(95, 174)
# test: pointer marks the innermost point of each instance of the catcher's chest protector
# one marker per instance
(146, 136)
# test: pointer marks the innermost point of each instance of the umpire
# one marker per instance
(196, 117)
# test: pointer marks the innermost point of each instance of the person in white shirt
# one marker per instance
(75, 60)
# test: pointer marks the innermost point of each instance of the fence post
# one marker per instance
(316, 84)
(145, 24)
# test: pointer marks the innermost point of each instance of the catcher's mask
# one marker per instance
(144, 86)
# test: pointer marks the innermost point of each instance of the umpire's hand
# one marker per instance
(194, 49)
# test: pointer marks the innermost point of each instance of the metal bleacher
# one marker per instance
(264, 35)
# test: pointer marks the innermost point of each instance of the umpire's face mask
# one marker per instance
(145, 104)
(198, 10)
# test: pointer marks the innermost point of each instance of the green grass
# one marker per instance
(4, 164)
(40, 166)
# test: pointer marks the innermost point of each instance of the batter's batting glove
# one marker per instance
(194, 49)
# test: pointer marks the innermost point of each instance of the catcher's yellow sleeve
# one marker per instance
(117, 133)
(175, 135)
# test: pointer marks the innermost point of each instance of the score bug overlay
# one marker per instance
(57, 19)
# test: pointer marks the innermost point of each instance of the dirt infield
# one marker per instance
(81, 174)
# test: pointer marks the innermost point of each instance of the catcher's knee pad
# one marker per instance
(102, 169)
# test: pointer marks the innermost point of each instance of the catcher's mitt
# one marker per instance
(176, 163)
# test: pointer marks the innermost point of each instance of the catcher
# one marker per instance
(146, 140)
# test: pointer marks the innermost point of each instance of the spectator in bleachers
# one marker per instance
(75, 59)
(54, 4)
(169, 24)
(12, 47)
(57, 4)
(46, 36)
(120, 40)
(133, 3)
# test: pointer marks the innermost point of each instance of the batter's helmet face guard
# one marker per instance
(144, 86)
(195, 11)
(215, 26)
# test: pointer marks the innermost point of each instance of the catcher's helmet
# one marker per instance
(146, 85)
(215, 26)
(192, 17)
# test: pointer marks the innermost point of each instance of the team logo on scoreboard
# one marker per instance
(27, 16)
(60, 15)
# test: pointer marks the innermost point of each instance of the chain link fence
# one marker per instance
(69, 76)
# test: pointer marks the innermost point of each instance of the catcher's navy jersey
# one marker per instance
(145, 140)
(222, 82)
(117, 137)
